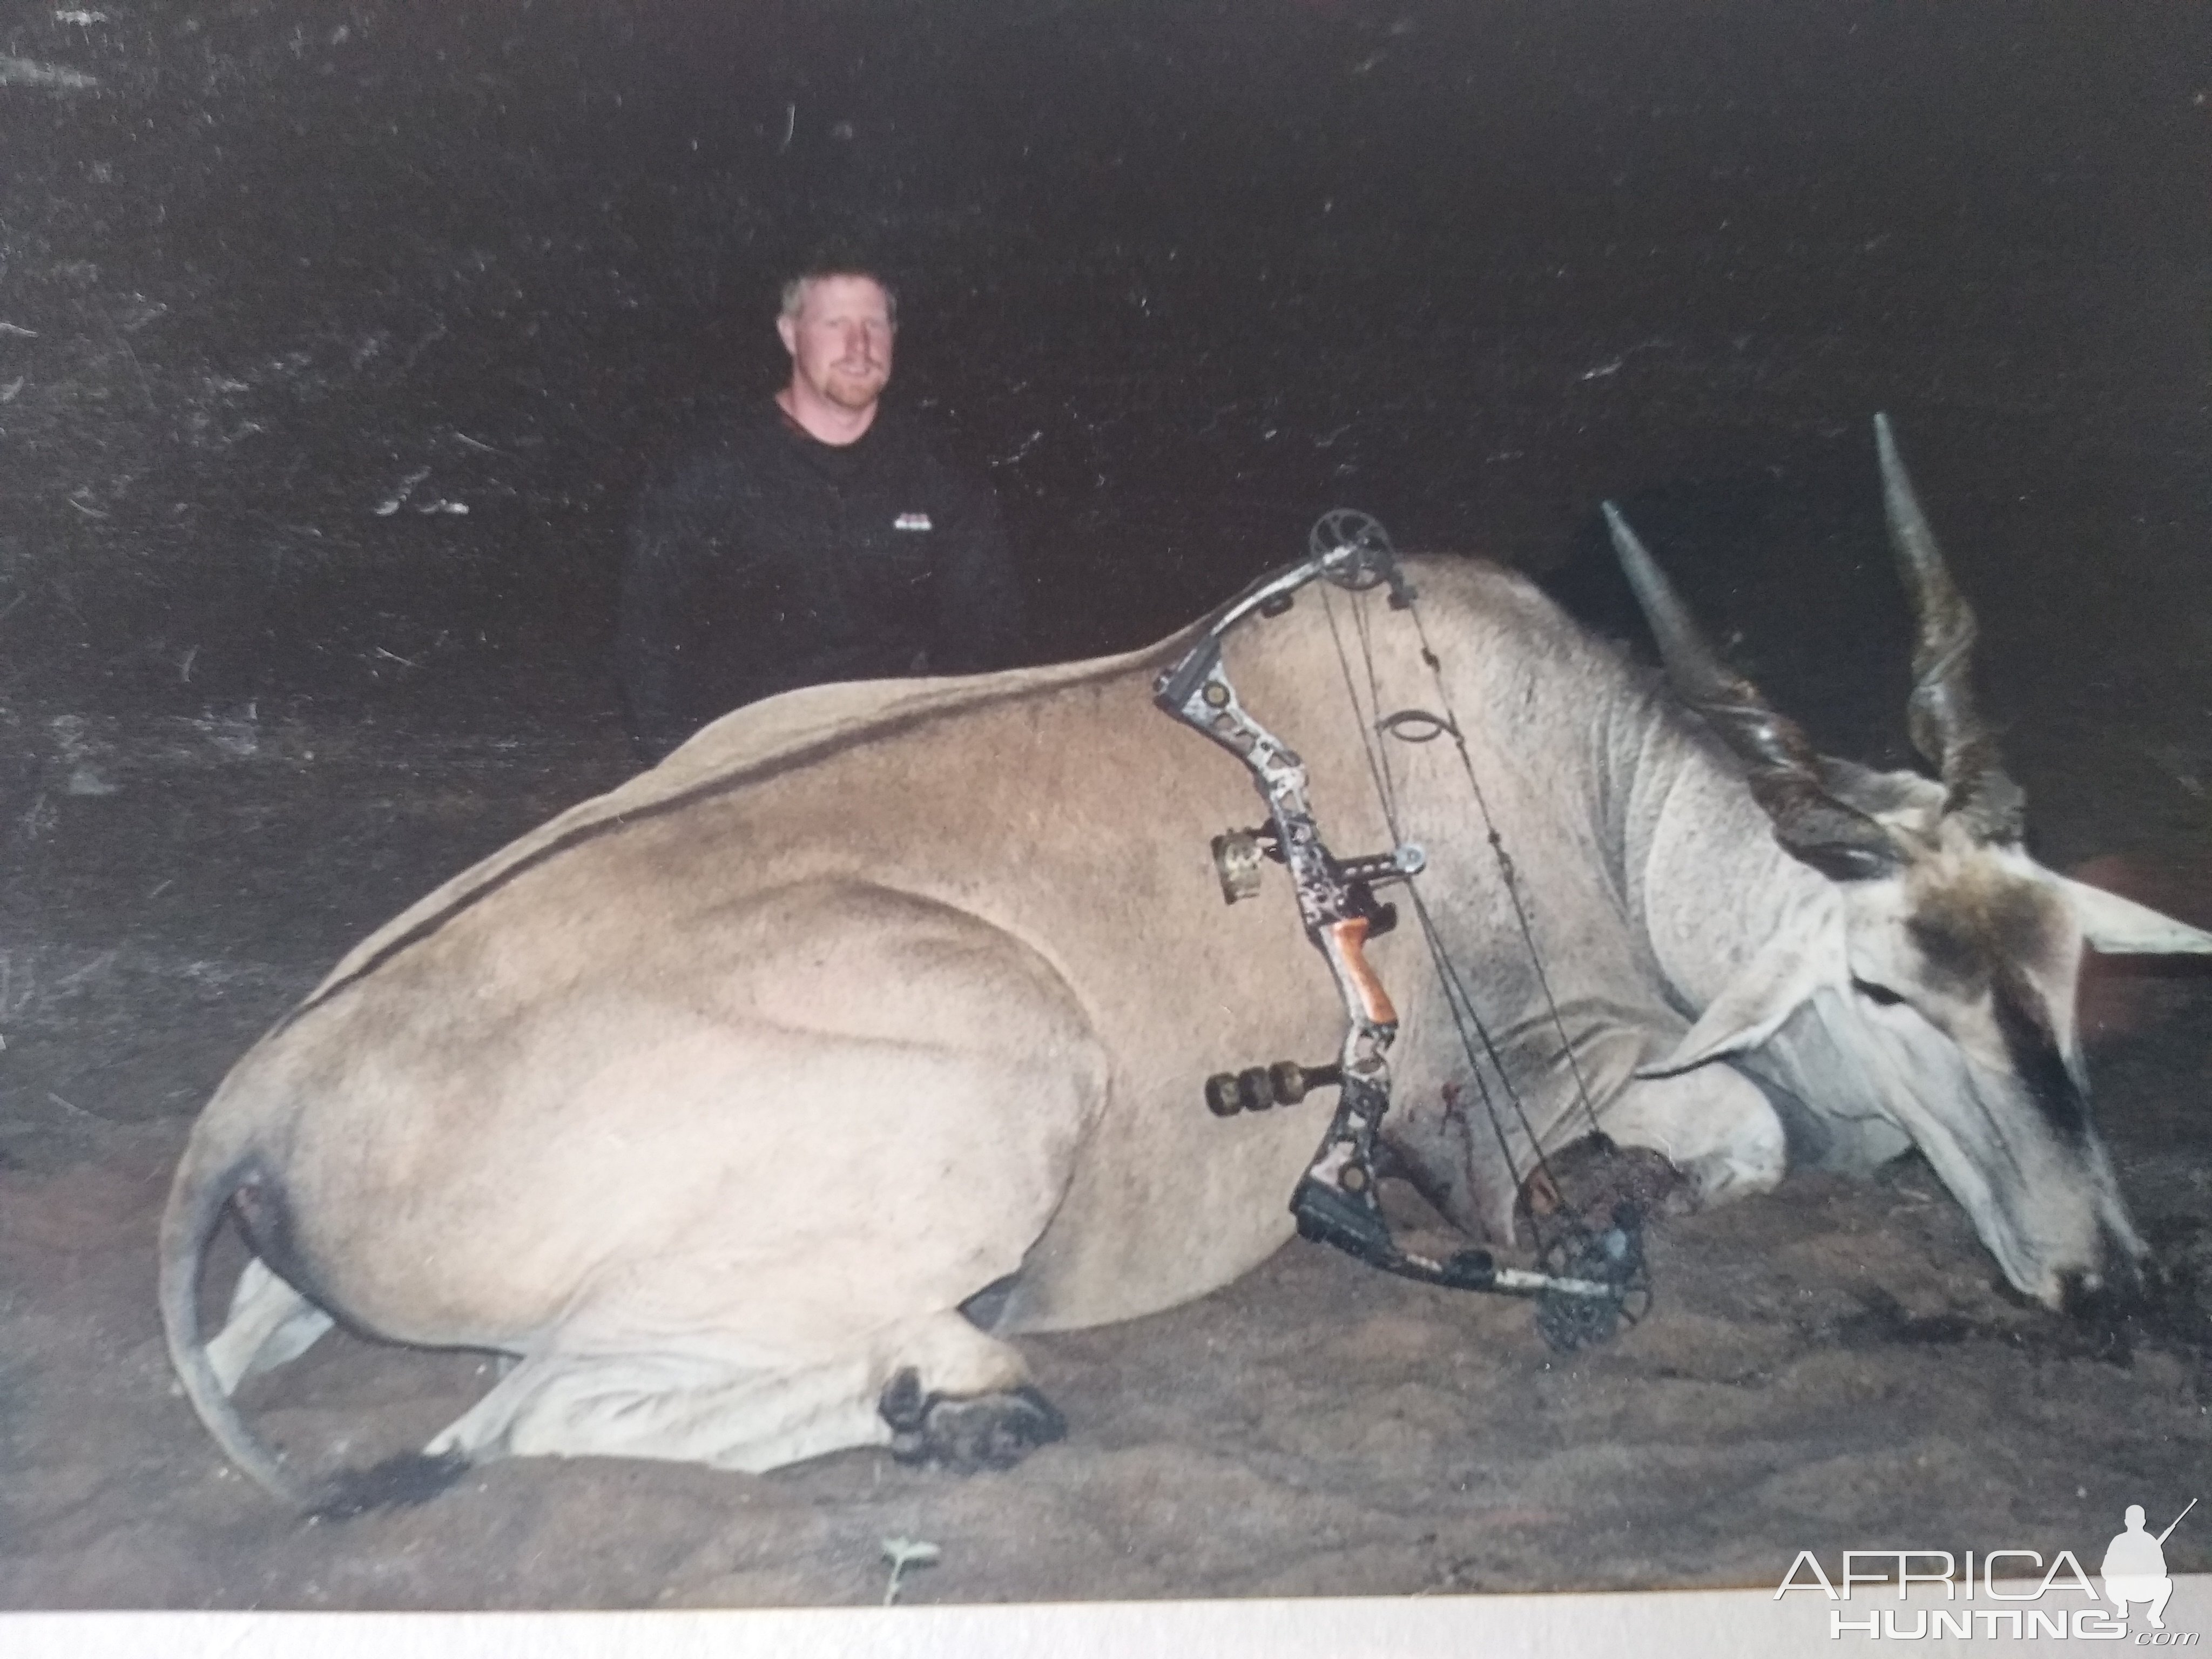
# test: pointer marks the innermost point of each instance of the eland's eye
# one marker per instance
(1881, 995)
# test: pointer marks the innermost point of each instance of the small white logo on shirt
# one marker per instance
(911, 521)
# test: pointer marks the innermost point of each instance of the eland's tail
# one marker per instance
(206, 1181)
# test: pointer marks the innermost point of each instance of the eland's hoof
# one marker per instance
(1592, 1176)
(980, 1431)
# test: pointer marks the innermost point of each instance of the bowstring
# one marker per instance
(1467, 1018)
(1505, 871)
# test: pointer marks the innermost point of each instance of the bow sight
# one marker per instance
(1587, 1283)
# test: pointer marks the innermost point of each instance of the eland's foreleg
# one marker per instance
(1712, 1124)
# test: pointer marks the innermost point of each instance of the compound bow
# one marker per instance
(1590, 1282)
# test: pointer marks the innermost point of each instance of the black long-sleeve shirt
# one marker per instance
(763, 560)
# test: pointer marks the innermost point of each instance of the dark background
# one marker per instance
(1178, 275)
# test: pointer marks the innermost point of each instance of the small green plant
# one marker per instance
(901, 1553)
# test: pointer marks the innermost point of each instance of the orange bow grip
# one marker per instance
(1349, 936)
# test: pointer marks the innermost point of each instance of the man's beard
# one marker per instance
(855, 392)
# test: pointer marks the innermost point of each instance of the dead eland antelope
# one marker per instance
(752, 1107)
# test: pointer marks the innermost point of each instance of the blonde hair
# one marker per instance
(794, 291)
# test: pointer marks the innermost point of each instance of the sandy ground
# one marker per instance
(269, 269)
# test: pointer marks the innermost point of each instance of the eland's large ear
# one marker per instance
(1758, 1002)
(2121, 927)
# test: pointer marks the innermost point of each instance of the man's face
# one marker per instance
(840, 341)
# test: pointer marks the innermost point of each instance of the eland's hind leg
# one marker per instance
(871, 1121)
(270, 1323)
(683, 1407)
(937, 1390)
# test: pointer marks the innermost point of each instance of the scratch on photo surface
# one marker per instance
(29, 72)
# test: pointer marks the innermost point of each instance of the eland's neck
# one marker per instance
(1704, 877)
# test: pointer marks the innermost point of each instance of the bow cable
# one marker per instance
(1473, 1033)
(1465, 1019)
